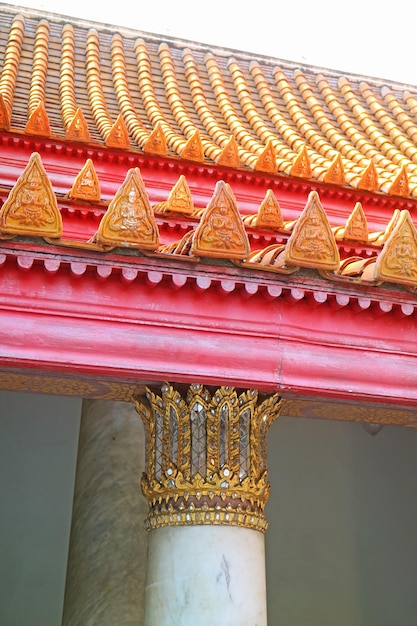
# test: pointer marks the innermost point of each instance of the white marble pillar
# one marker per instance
(206, 575)
(108, 543)
(206, 485)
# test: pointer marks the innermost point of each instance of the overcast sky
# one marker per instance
(366, 37)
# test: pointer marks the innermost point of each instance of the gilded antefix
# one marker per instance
(129, 220)
(31, 208)
(86, 185)
(221, 231)
(312, 242)
(397, 262)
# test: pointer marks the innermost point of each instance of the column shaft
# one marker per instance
(206, 575)
(107, 555)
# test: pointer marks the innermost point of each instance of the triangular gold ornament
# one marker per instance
(31, 208)
(301, 166)
(335, 174)
(312, 242)
(267, 160)
(38, 123)
(129, 220)
(356, 228)
(179, 199)
(397, 262)
(269, 212)
(118, 136)
(229, 156)
(369, 178)
(221, 232)
(156, 142)
(86, 185)
(4, 114)
(77, 129)
(400, 186)
(193, 149)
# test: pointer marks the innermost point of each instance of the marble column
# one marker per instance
(206, 485)
(108, 543)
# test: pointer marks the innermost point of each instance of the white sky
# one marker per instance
(367, 37)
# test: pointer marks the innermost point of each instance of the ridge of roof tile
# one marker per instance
(348, 254)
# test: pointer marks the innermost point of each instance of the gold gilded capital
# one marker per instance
(206, 455)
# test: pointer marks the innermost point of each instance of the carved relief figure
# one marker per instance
(314, 242)
(220, 231)
(32, 205)
(401, 257)
(131, 216)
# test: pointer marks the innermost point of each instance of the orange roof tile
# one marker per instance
(113, 87)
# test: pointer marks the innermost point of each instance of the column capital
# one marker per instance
(206, 455)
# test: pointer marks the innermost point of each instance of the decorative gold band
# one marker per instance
(206, 455)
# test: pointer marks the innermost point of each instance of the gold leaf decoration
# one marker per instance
(206, 461)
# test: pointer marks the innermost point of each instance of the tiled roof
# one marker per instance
(113, 87)
(91, 85)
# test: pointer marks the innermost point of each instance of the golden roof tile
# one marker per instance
(97, 83)
(11, 60)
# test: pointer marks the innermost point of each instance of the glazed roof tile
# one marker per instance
(114, 87)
